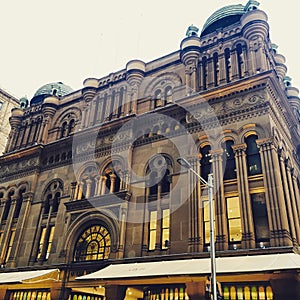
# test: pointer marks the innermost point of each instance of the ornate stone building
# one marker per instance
(94, 203)
(7, 102)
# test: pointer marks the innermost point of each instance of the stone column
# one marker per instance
(80, 190)
(122, 232)
(248, 236)
(103, 189)
(194, 234)
(280, 233)
(88, 188)
(187, 80)
(287, 196)
(74, 190)
(20, 229)
(293, 203)
(220, 203)
(112, 183)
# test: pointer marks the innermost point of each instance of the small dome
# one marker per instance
(57, 89)
(223, 17)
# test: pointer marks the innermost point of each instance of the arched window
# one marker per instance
(168, 95)
(52, 196)
(71, 127)
(240, 62)
(228, 160)
(112, 175)
(205, 162)
(204, 72)
(158, 173)
(93, 244)
(253, 156)
(7, 205)
(227, 64)
(216, 68)
(63, 130)
(89, 181)
(157, 99)
(19, 203)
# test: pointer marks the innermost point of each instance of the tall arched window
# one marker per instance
(19, 203)
(112, 174)
(63, 130)
(240, 62)
(157, 99)
(52, 196)
(253, 156)
(158, 173)
(227, 64)
(89, 180)
(205, 162)
(168, 95)
(228, 160)
(7, 205)
(93, 244)
(216, 68)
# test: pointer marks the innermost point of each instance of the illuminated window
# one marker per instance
(206, 220)
(164, 224)
(10, 244)
(152, 230)
(165, 229)
(50, 240)
(234, 219)
(45, 242)
(41, 243)
(93, 244)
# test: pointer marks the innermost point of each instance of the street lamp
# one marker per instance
(209, 183)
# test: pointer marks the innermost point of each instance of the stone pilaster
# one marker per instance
(220, 203)
(248, 236)
(277, 212)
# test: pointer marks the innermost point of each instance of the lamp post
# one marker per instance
(209, 183)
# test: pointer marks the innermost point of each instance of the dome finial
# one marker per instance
(251, 5)
(192, 31)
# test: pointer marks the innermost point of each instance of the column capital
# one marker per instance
(265, 142)
(239, 148)
(216, 153)
(28, 196)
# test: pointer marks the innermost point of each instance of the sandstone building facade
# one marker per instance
(94, 204)
(7, 103)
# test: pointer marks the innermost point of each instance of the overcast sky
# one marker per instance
(49, 41)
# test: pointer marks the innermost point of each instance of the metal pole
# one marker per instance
(213, 280)
(209, 183)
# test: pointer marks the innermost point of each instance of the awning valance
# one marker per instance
(224, 265)
(29, 276)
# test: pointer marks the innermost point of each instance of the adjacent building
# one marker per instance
(7, 102)
(94, 204)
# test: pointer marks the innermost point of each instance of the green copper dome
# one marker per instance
(51, 89)
(223, 17)
(227, 15)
